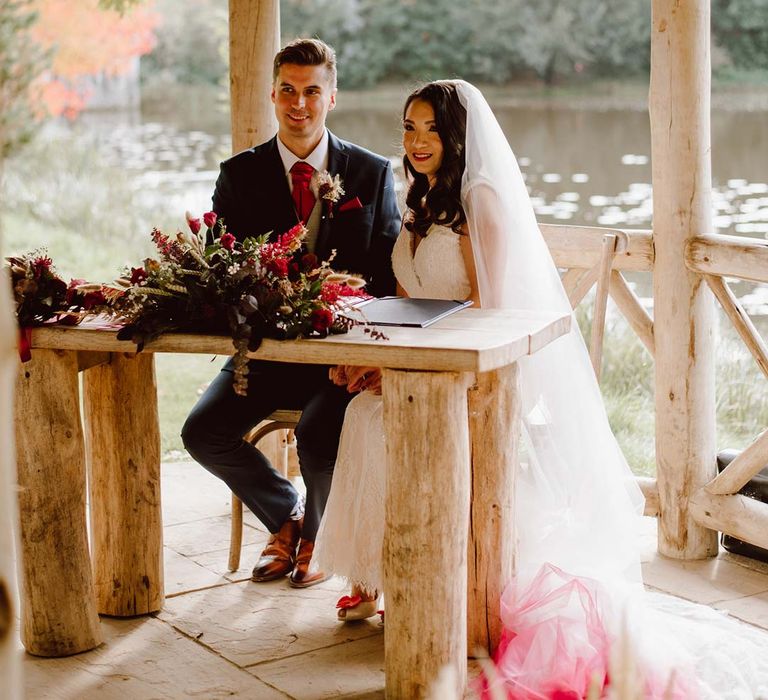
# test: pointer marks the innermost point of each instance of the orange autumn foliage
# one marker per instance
(87, 41)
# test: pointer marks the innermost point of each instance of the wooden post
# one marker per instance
(10, 686)
(58, 611)
(425, 546)
(607, 252)
(494, 429)
(120, 405)
(254, 39)
(683, 306)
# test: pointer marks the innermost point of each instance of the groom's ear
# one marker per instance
(272, 94)
(332, 103)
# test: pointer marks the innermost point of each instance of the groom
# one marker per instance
(267, 188)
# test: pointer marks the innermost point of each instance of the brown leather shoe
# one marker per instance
(301, 576)
(279, 555)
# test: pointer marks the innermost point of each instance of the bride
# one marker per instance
(470, 233)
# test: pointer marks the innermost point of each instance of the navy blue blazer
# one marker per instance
(252, 197)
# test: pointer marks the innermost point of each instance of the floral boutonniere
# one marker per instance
(326, 187)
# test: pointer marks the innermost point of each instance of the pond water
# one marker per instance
(583, 165)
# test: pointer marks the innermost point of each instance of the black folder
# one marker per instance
(405, 311)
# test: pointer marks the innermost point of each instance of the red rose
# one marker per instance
(278, 267)
(194, 224)
(41, 265)
(227, 241)
(72, 292)
(321, 320)
(92, 299)
(309, 262)
(138, 274)
(210, 218)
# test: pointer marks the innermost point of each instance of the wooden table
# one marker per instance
(451, 412)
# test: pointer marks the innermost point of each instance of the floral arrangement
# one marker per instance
(40, 295)
(39, 292)
(262, 287)
(253, 289)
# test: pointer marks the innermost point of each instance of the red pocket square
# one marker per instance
(351, 204)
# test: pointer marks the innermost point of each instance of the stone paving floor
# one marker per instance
(221, 636)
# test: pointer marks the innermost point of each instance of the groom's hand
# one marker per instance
(363, 379)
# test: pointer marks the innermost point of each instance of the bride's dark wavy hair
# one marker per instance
(442, 203)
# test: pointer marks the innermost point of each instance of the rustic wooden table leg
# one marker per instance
(58, 612)
(494, 428)
(120, 405)
(425, 548)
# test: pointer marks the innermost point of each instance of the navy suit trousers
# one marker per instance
(213, 435)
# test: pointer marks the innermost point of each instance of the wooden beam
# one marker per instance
(426, 526)
(58, 612)
(601, 303)
(650, 489)
(254, 39)
(740, 320)
(494, 424)
(86, 359)
(738, 516)
(580, 246)
(728, 256)
(679, 103)
(10, 666)
(581, 288)
(629, 305)
(571, 278)
(120, 405)
(736, 475)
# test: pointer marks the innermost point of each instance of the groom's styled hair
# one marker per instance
(307, 52)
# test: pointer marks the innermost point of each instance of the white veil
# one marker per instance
(577, 504)
(577, 501)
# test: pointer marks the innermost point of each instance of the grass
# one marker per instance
(627, 385)
(181, 379)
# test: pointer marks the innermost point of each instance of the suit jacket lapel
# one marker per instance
(337, 165)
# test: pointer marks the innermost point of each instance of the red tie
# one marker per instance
(301, 175)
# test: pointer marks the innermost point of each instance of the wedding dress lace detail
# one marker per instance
(352, 531)
(436, 269)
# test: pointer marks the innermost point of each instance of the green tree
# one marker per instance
(21, 61)
(559, 37)
(741, 28)
(191, 43)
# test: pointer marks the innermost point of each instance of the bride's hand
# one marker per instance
(364, 379)
(338, 375)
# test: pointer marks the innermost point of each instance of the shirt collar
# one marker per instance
(318, 159)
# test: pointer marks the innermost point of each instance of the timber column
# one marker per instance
(254, 39)
(683, 309)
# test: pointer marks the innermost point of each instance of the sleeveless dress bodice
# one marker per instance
(436, 269)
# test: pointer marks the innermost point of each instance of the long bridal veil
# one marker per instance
(586, 502)
(578, 506)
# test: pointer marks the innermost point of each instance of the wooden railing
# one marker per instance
(590, 255)
(718, 505)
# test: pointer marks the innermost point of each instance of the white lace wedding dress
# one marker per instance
(352, 530)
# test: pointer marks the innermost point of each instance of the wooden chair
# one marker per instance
(279, 455)
(578, 282)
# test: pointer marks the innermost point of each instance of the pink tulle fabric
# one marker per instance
(555, 644)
